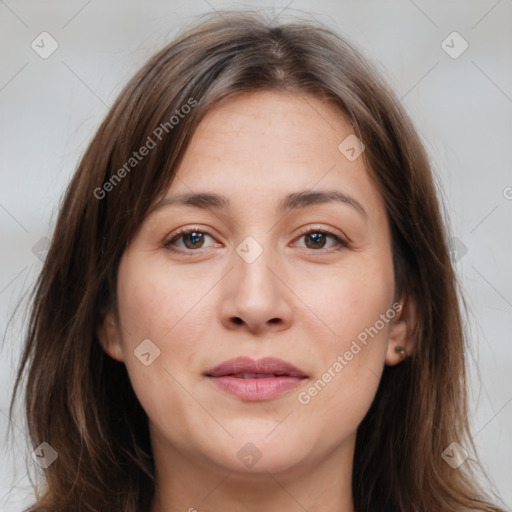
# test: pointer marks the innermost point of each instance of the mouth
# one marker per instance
(247, 368)
(251, 380)
(255, 375)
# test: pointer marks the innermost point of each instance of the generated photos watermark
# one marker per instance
(156, 136)
(305, 397)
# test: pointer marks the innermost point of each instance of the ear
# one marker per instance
(109, 337)
(402, 331)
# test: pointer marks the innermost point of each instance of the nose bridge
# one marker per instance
(254, 255)
(256, 294)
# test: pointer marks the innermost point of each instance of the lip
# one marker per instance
(269, 378)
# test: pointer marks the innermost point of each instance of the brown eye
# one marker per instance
(316, 239)
(192, 238)
(196, 239)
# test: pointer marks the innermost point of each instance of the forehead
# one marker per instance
(260, 146)
(287, 127)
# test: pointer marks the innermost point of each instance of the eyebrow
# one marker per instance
(293, 201)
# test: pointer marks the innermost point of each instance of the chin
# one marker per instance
(257, 453)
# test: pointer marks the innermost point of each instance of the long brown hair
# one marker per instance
(80, 401)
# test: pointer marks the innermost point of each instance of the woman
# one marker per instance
(248, 301)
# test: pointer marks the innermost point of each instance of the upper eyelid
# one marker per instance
(302, 232)
(319, 227)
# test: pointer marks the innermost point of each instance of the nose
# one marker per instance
(255, 296)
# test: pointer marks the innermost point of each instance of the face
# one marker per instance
(304, 279)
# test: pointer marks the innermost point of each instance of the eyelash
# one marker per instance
(341, 244)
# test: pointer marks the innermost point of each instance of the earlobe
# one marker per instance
(108, 335)
(402, 333)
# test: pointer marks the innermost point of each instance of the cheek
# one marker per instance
(165, 310)
(156, 302)
(170, 312)
(350, 298)
(354, 315)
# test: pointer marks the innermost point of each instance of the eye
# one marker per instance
(316, 239)
(193, 238)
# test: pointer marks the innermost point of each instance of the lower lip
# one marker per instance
(256, 389)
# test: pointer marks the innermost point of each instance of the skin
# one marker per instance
(300, 300)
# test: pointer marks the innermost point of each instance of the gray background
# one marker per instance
(461, 106)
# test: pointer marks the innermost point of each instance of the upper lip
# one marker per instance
(266, 365)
